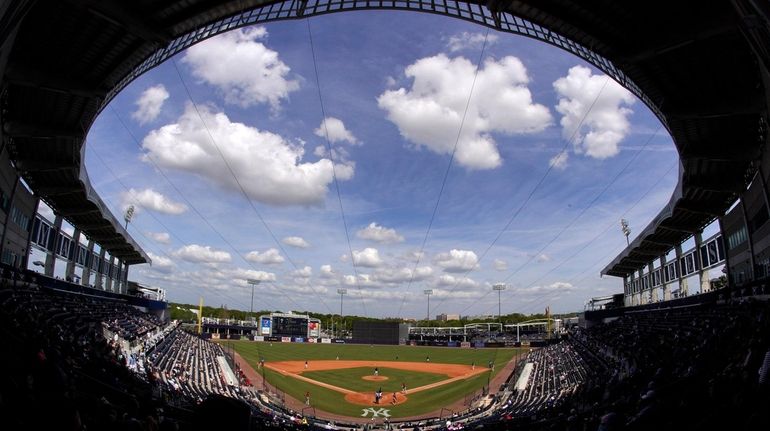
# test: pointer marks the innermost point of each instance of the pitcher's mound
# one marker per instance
(375, 378)
(368, 399)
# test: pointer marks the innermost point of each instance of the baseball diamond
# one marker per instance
(343, 387)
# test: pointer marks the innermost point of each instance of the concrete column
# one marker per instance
(642, 290)
(125, 278)
(682, 280)
(653, 290)
(666, 287)
(631, 292)
(703, 274)
(50, 257)
(626, 292)
(99, 279)
(25, 262)
(85, 280)
(110, 275)
(69, 273)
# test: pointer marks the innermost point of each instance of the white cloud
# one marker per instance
(606, 124)
(557, 286)
(245, 71)
(296, 241)
(149, 104)
(380, 234)
(543, 258)
(327, 272)
(461, 282)
(457, 260)
(161, 237)
(269, 257)
(268, 167)
(305, 272)
(151, 200)
(161, 263)
(368, 257)
(403, 275)
(559, 161)
(468, 40)
(199, 254)
(337, 131)
(429, 114)
(500, 265)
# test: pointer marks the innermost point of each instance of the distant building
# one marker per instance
(445, 317)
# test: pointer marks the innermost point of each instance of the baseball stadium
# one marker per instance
(380, 215)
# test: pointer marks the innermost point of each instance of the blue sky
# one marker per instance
(394, 98)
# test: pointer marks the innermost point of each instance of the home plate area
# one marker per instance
(453, 373)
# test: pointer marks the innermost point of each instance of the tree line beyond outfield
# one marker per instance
(184, 312)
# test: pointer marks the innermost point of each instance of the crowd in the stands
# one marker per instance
(697, 367)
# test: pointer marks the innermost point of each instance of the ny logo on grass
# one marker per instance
(376, 412)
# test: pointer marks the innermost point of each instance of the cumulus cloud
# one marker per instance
(468, 40)
(606, 124)
(245, 71)
(161, 263)
(151, 200)
(557, 286)
(161, 237)
(269, 257)
(403, 275)
(500, 265)
(377, 233)
(450, 280)
(457, 260)
(296, 241)
(268, 167)
(368, 257)
(199, 254)
(429, 113)
(337, 131)
(305, 272)
(149, 104)
(327, 272)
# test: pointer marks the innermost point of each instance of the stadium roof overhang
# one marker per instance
(699, 66)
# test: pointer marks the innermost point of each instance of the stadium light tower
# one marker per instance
(253, 283)
(428, 292)
(342, 293)
(499, 287)
(624, 227)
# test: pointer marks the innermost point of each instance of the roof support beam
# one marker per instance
(118, 14)
(18, 129)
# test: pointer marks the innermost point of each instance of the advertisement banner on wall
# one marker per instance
(266, 324)
(326, 340)
(465, 344)
(286, 339)
(299, 340)
(314, 329)
(311, 340)
(215, 336)
(259, 338)
(451, 343)
(478, 344)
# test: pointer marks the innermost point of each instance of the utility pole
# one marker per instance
(428, 292)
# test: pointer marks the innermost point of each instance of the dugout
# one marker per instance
(367, 332)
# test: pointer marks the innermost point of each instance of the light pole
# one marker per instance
(253, 283)
(128, 215)
(499, 287)
(624, 227)
(428, 292)
(342, 293)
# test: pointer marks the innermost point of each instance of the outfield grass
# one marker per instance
(334, 402)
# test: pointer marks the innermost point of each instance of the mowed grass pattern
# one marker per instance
(334, 402)
(352, 378)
